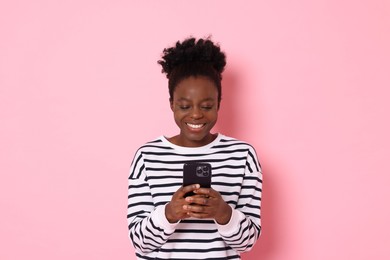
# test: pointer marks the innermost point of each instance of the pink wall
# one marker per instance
(307, 84)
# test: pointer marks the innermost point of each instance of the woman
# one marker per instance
(214, 223)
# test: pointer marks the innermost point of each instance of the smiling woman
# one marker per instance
(214, 223)
(195, 108)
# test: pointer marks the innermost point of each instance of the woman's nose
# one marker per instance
(196, 113)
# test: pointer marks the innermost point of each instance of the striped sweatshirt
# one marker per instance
(156, 173)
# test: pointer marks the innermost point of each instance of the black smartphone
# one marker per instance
(197, 173)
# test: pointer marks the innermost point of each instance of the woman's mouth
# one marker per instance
(195, 126)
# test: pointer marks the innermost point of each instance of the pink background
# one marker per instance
(307, 83)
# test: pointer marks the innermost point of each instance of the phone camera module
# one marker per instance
(202, 171)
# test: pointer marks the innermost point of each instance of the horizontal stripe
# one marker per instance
(195, 250)
(161, 177)
(143, 203)
(162, 154)
(170, 194)
(163, 169)
(165, 185)
(136, 186)
(195, 231)
(159, 258)
(196, 241)
(185, 161)
(156, 146)
(198, 221)
(133, 195)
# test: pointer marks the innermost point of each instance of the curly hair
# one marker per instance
(193, 57)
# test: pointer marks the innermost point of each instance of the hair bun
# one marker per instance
(193, 51)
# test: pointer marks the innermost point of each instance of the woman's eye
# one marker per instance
(184, 107)
(207, 107)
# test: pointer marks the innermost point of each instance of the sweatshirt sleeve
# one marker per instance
(148, 227)
(244, 227)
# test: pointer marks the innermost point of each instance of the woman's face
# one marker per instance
(195, 108)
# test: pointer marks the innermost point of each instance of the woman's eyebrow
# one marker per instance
(209, 99)
(183, 99)
(203, 100)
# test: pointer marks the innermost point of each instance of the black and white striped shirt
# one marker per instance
(156, 173)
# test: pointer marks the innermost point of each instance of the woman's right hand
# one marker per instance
(174, 209)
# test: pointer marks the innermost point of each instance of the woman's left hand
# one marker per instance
(208, 203)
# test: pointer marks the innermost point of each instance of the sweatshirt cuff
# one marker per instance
(161, 220)
(231, 227)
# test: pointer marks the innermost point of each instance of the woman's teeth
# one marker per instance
(195, 126)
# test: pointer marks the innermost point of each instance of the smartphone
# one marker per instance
(197, 173)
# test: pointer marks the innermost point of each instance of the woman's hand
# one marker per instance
(208, 203)
(174, 210)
